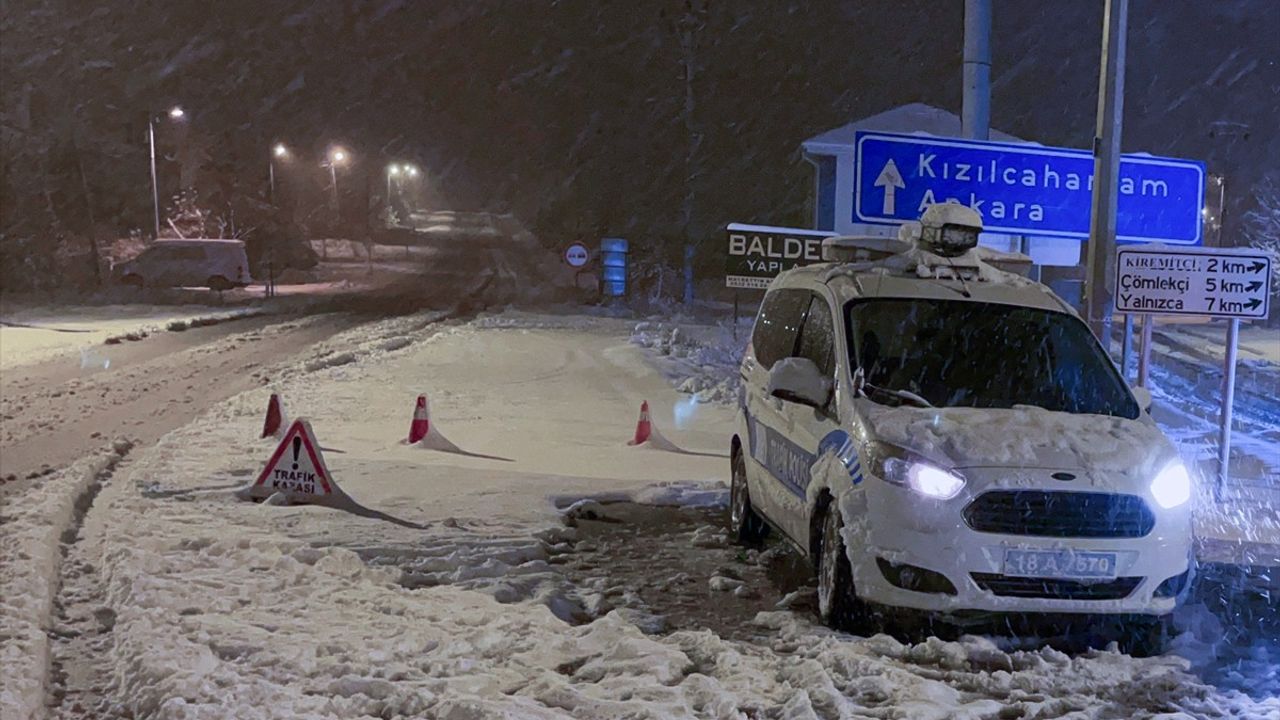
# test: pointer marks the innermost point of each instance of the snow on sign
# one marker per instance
(296, 468)
(576, 255)
(757, 253)
(1219, 282)
(1023, 189)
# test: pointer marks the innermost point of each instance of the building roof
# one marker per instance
(915, 118)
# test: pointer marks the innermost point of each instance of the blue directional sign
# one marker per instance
(1023, 189)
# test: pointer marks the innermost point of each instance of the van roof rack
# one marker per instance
(861, 248)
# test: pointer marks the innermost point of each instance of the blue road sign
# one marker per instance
(1023, 189)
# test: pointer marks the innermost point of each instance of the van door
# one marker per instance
(795, 431)
(772, 457)
(813, 429)
(161, 266)
(191, 268)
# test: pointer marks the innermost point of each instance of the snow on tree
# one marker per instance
(186, 219)
(1262, 224)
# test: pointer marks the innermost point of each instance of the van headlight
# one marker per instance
(900, 467)
(1172, 485)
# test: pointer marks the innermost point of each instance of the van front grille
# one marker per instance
(1043, 513)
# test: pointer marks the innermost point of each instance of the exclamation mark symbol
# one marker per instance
(297, 445)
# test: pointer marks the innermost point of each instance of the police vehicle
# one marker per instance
(939, 433)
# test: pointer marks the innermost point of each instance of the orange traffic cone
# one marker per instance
(421, 420)
(274, 421)
(643, 427)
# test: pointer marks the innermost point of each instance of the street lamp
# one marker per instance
(393, 170)
(175, 113)
(279, 152)
(337, 156)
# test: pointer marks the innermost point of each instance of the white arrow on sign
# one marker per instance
(889, 179)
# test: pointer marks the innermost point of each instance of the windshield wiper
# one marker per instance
(904, 395)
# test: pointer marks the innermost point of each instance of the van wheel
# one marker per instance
(219, 283)
(838, 604)
(746, 527)
(132, 280)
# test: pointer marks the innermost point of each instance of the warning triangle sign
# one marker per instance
(296, 468)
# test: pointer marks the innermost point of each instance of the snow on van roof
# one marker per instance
(917, 272)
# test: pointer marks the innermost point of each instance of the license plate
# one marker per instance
(1059, 564)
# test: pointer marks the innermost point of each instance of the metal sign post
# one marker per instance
(1144, 354)
(735, 315)
(1126, 347)
(1215, 282)
(1228, 400)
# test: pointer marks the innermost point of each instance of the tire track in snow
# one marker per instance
(33, 550)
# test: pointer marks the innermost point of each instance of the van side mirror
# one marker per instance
(799, 380)
(1143, 396)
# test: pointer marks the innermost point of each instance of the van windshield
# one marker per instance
(954, 353)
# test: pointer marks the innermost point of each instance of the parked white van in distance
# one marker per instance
(217, 264)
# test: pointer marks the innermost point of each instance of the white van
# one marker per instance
(202, 262)
(939, 435)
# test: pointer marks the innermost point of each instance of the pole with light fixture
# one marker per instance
(392, 171)
(175, 113)
(279, 152)
(337, 156)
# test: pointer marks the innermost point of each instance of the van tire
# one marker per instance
(132, 280)
(746, 527)
(838, 603)
(219, 283)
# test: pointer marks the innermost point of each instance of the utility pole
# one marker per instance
(155, 190)
(689, 27)
(975, 120)
(1106, 172)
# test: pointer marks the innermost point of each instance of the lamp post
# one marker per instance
(410, 171)
(337, 156)
(175, 113)
(279, 152)
(392, 171)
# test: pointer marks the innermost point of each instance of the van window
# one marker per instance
(985, 355)
(817, 337)
(774, 336)
(179, 252)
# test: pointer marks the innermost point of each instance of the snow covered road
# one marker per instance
(180, 601)
(64, 405)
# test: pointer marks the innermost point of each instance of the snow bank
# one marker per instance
(37, 334)
(701, 360)
(690, 494)
(30, 563)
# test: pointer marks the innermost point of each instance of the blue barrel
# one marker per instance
(613, 261)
